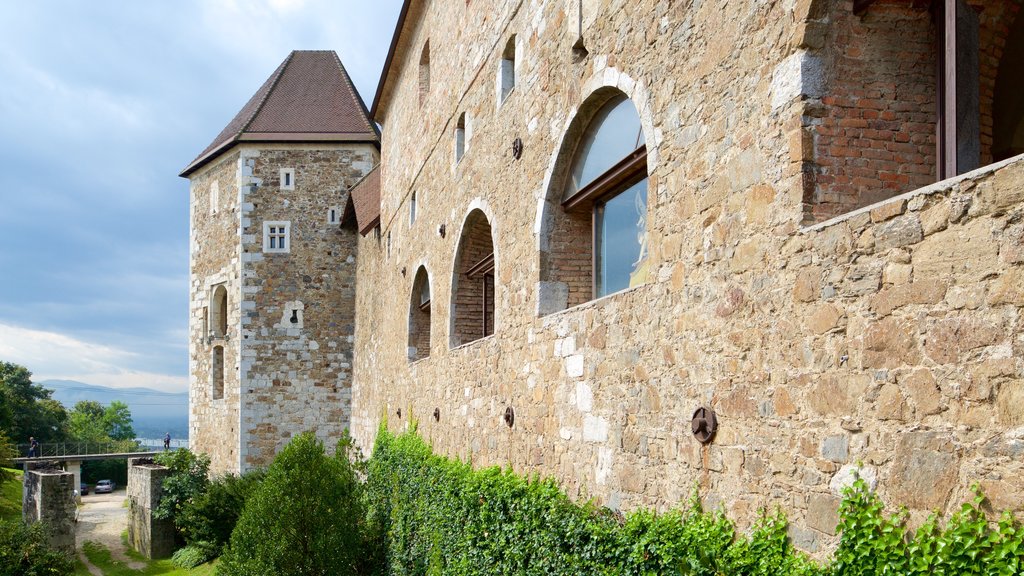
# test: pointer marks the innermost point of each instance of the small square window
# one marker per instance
(287, 178)
(276, 237)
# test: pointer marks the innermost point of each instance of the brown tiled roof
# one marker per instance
(364, 202)
(309, 98)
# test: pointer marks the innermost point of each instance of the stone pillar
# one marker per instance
(48, 496)
(151, 537)
(75, 467)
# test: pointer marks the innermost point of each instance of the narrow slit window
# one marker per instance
(460, 138)
(287, 179)
(507, 70)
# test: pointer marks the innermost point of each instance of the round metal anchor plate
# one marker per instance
(704, 425)
(510, 416)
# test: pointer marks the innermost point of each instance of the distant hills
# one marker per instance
(154, 413)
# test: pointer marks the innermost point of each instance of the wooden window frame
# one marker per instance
(484, 269)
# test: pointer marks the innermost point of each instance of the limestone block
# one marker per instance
(925, 469)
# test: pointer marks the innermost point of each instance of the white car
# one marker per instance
(104, 487)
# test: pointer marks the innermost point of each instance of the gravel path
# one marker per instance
(101, 519)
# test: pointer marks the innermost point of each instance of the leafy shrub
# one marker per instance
(304, 518)
(210, 517)
(7, 452)
(875, 543)
(194, 554)
(187, 480)
(24, 551)
(438, 516)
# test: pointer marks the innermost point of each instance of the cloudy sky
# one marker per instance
(102, 103)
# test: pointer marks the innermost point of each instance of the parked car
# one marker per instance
(83, 489)
(104, 487)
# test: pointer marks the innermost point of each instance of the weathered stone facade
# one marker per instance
(287, 351)
(151, 537)
(890, 337)
(49, 496)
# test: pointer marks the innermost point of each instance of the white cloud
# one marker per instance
(65, 358)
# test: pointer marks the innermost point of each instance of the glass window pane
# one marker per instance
(622, 240)
(612, 135)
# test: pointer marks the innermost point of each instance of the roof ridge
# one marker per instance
(277, 78)
(354, 92)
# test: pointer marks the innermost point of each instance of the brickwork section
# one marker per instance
(419, 319)
(472, 300)
(889, 337)
(297, 308)
(873, 134)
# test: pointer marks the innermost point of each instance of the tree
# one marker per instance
(7, 451)
(187, 480)
(117, 421)
(91, 422)
(26, 409)
(303, 519)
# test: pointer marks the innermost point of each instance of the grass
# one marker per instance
(100, 557)
(10, 498)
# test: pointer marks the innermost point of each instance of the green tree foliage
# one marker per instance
(304, 519)
(89, 421)
(209, 518)
(26, 409)
(24, 552)
(7, 451)
(186, 481)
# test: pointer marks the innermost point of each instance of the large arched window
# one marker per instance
(419, 316)
(219, 310)
(597, 242)
(473, 282)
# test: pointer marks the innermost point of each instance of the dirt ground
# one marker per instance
(102, 518)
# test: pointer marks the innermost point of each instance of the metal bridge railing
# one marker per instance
(57, 449)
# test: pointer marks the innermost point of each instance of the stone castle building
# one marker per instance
(591, 218)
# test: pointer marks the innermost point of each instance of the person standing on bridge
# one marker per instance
(33, 447)
(167, 441)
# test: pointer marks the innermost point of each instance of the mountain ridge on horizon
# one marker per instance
(154, 412)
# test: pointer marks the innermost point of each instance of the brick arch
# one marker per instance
(419, 340)
(473, 314)
(602, 86)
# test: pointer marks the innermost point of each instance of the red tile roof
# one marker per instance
(309, 98)
(364, 202)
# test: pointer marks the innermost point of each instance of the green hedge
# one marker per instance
(433, 516)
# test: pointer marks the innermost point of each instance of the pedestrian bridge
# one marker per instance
(70, 455)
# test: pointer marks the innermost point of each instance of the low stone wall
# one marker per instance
(49, 496)
(151, 537)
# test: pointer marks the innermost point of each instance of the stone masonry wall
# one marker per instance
(890, 337)
(214, 260)
(151, 537)
(297, 374)
(49, 497)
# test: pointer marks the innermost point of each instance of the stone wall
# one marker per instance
(49, 496)
(214, 249)
(890, 337)
(297, 308)
(151, 537)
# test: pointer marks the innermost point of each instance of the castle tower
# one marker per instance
(272, 269)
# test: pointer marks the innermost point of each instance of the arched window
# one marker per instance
(473, 282)
(460, 138)
(425, 71)
(419, 316)
(597, 242)
(1008, 112)
(217, 372)
(219, 312)
(507, 70)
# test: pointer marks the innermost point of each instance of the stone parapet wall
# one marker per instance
(49, 497)
(151, 537)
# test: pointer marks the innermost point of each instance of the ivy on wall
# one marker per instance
(434, 516)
